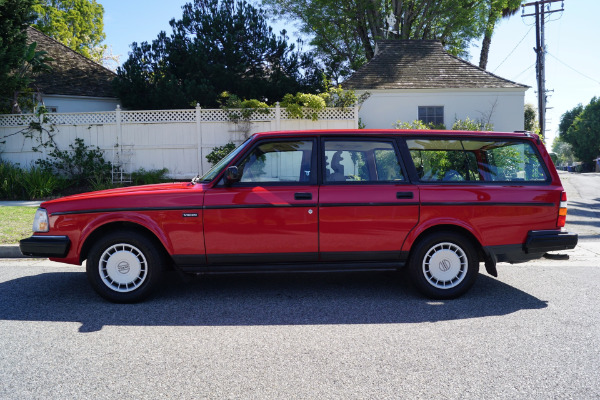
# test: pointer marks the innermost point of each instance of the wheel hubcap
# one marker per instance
(123, 267)
(445, 265)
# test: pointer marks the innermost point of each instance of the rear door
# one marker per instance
(366, 204)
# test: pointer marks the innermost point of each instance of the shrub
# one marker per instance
(219, 152)
(10, 177)
(417, 124)
(39, 183)
(80, 165)
(303, 105)
(31, 184)
(147, 177)
(241, 110)
(469, 124)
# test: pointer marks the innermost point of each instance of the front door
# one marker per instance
(269, 215)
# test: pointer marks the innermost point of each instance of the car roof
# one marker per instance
(395, 132)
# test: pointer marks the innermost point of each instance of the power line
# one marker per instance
(522, 72)
(568, 66)
(513, 50)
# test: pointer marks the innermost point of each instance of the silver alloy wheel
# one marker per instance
(123, 267)
(445, 265)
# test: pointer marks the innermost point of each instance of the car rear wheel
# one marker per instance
(444, 265)
(124, 267)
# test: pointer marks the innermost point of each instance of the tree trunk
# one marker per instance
(485, 50)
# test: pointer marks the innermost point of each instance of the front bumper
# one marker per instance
(45, 246)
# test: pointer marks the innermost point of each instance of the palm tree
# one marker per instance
(498, 9)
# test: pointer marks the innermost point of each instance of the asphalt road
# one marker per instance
(534, 333)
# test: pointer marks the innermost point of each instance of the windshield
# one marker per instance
(218, 167)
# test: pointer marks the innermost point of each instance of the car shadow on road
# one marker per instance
(256, 299)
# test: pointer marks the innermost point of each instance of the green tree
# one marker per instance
(78, 24)
(344, 33)
(216, 46)
(530, 118)
(584, 132)
(563, 151)
(566, 120)
(18, 60)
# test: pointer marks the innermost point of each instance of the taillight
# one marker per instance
(562, 211)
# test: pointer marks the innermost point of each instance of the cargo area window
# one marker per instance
(474, 160)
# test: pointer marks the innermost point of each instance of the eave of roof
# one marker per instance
(72, 73)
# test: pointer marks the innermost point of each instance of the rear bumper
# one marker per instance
(536, 245)
(45, 246)
(543, 241)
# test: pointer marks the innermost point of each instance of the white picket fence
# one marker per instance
(178, 140)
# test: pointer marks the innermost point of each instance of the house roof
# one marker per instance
(72, 74)
(421, 64)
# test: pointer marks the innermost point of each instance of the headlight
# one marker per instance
(40, 221)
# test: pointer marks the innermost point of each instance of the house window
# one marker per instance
(431, 115)
(52, 109)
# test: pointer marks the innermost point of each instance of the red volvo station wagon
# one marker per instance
(436, 202)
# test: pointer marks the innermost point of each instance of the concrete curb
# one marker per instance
(10, 251)
(24, 203)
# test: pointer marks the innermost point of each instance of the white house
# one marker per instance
(418, 80)
(75, 84)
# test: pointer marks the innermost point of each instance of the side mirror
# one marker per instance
(232, 175)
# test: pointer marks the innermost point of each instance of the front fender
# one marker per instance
(128, 217)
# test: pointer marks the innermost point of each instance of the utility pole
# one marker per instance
(540, 50)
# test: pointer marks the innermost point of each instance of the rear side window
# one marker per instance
(361, 161)
(476, 160)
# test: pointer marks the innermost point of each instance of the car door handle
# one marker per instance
(404, 195)
(303, 196)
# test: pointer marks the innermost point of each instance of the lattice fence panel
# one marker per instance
(326, 114)
(214, 115)
(92, 118)
(16, 119)
(158, 116)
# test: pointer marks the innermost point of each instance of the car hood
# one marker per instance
(158, 196)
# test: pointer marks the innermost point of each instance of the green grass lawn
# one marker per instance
(15, 223)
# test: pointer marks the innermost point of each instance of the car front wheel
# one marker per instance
(444, 265)
(124, 267)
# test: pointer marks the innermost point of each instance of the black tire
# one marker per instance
(124, 267)
(444, 265)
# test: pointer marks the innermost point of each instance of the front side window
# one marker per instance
(361, 161)
(276, 162)
(476, 160)
(431, 115)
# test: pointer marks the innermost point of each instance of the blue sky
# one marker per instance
(572, 63)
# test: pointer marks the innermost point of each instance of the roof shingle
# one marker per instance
(421, 64)
(72, 74)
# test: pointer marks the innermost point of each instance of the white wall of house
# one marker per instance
(74, 104)
(385, 107)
